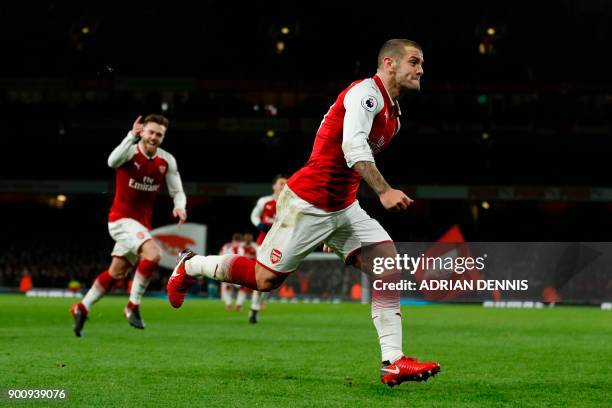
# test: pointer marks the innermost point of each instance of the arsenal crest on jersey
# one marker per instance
(162, 169)
(276, 255)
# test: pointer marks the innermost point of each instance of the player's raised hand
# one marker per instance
(181, 214)
(137, 126)
(395, 200)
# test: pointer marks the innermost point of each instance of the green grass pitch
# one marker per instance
(304, 355)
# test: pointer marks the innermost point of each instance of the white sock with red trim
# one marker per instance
(212, 266)
(226, 293)
(225, 268)
(142, 278)
(257, 299)
(240, 297)
(103, 283)
(388, 324)
(93, 295)
(387, 319)
(139, 286)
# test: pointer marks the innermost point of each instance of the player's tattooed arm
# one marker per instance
(391, 199)
(372, 176)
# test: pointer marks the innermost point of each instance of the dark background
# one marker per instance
(542, 93)
(527, 105)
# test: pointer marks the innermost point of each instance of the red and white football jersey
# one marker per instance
(264, 212)
(138, 180)
(231, 249)
(250, 251)
(362, 122)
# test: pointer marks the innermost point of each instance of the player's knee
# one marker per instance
(267, 280)
(267, 285)
(151, 252)
(119, 268)
(118, 272)
(384, 249)
(153, 257)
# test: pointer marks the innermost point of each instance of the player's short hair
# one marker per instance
(395, 48)
(279, 176)
(236, 236)
(159, 119)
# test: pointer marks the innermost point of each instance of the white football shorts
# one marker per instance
(300, 228)
(129, 235)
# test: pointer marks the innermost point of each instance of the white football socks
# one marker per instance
(93, 295)
(211, 266)
(139, 286)
(227, 291)
(240, 297)
(388, 323)
(257, 299)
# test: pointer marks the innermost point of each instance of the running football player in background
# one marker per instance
(262, 217)
(141, 167)
(234, 247)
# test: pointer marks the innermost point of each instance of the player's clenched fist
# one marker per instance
(137, 127)
(395, 200)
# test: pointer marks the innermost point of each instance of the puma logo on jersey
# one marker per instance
(137, 165)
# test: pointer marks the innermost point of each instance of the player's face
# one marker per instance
(409, 68)
(152, 136)
(278, 186)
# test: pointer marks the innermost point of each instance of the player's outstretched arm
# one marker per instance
(180, 214)
(391, 199)
(125, 150)
(362, 103)
(175, 189)
(256, 212)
